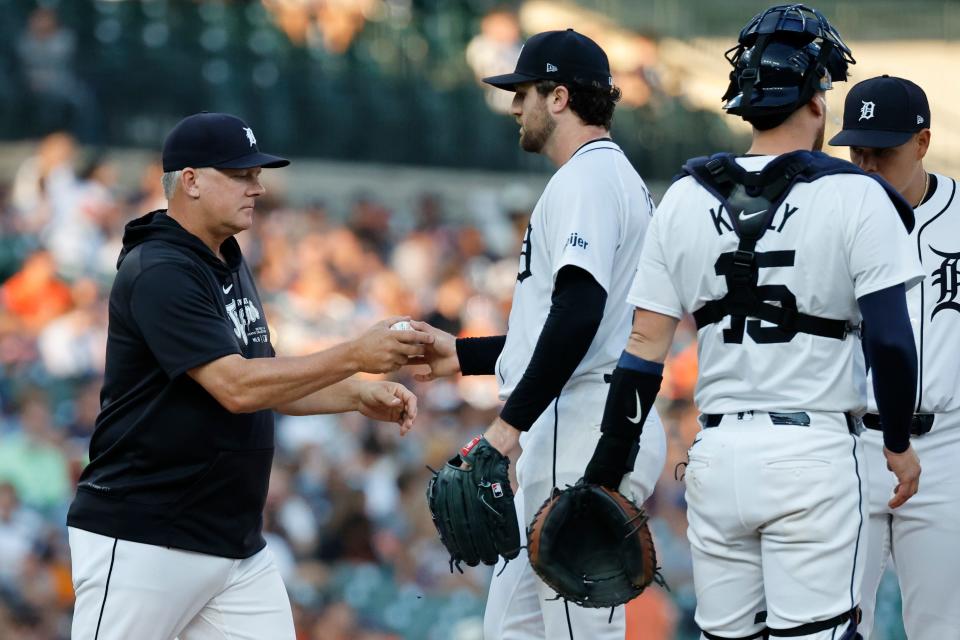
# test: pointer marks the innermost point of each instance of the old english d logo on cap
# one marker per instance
(883, 112)
(218, 140)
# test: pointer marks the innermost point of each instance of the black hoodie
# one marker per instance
(169, 465)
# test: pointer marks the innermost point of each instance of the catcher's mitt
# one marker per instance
(592, 546)
(472, 507)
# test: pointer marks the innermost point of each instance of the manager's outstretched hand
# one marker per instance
(381, 349)
(388, 402)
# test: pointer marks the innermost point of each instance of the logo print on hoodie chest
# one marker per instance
(242, 314)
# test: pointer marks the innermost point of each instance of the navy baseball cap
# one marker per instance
(566, 57)
(882, 112)
(217, 140)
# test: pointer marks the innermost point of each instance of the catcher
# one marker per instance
(778, 255)
(568, 323)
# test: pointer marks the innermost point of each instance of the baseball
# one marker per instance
(403, 325)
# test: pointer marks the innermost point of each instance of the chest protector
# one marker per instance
(752, 198)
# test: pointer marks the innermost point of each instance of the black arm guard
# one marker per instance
(629, 401)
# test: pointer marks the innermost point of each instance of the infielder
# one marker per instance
(886, 124)
(569, 317)
(778, 254)
(165, 530)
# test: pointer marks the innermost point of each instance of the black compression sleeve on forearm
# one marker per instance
(478, 356)
(575, 315)
(631, 396)
(889, 347)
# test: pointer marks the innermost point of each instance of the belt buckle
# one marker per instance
(793, 419)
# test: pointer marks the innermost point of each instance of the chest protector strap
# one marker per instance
(752, 199)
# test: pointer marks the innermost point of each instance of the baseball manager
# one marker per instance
(165, 529)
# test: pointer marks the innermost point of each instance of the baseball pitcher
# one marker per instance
(568, 321)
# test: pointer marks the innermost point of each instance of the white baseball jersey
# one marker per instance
(935, 306)
(918, 537)
(591, 215)
(833, 240)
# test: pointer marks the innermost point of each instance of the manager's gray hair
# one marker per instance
(169, 181)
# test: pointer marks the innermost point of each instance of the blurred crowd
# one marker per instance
(346, 515)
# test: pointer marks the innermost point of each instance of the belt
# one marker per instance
(795, 419)
(920, 424)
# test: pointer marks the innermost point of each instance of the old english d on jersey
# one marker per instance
(591, 215)
(935, 305)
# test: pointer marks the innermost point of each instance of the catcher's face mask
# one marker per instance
(784, 55)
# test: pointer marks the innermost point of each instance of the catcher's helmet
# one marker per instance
(784, 55)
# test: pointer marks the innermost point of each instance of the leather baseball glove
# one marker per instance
(471, 502)
(592, 546)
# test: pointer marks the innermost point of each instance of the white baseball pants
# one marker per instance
(777, 518)
(131, 590)
(920, 538)
(519, 605)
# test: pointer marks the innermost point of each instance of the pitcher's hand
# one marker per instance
(906, 466)
(439, 357)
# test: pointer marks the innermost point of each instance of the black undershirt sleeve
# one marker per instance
(478, 356)
(575, 314)
(889, 347)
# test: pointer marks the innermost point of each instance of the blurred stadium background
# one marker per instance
(408, 195)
